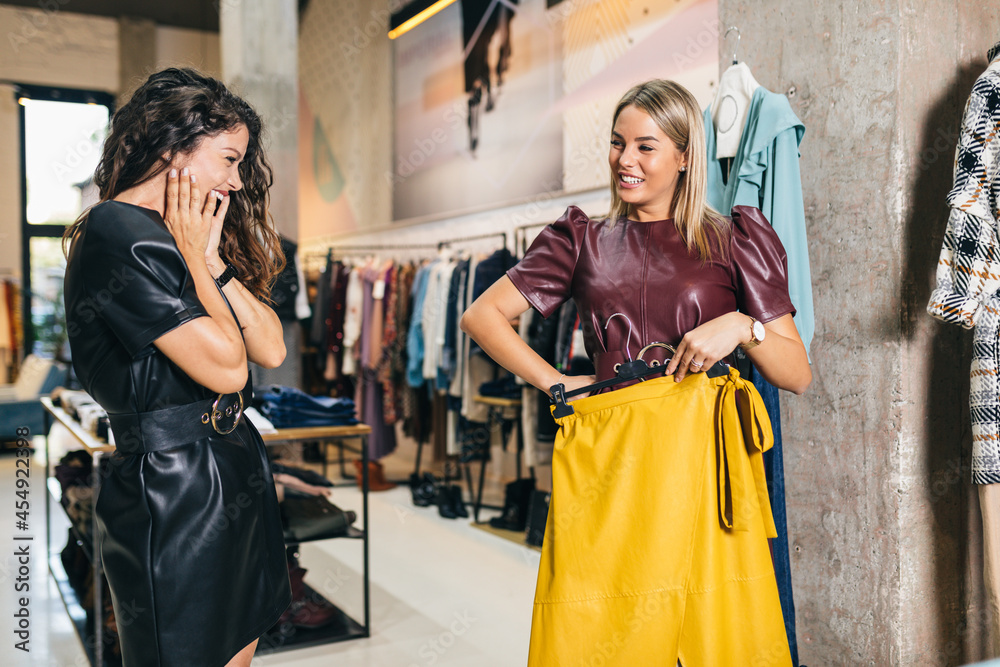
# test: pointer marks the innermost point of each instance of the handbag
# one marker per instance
(313, 517)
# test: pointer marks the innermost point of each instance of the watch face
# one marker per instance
(759, 331)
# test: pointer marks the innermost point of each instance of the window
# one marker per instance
(62, 133)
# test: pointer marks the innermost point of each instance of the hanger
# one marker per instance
(725, 36)
(731, 105)
(636, 369)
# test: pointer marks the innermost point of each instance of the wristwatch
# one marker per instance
(757, 333)
(226, 276)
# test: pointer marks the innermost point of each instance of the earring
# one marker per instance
(682, 169)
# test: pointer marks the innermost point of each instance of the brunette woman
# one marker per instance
(166, 291)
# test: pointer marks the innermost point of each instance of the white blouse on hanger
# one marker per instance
(730, 107)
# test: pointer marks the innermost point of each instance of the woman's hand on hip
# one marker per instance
(706, 344)
(189, 216)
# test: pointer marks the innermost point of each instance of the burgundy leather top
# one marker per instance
(644, 270)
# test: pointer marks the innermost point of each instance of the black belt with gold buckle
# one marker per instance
(144, 432)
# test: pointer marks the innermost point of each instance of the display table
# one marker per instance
(498, 406)
(345, 627)
(89, 622)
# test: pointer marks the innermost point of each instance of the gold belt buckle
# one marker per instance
(216, 414)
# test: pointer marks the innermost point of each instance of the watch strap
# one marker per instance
(754, 341)
(226, 276)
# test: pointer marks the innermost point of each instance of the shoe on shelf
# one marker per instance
(306, 610)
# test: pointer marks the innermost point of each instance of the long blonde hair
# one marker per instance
(676, 112)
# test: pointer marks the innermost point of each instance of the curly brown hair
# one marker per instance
(170, 114)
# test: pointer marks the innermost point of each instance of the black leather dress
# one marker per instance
(188, 520)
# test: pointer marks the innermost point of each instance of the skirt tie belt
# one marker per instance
(741, 405)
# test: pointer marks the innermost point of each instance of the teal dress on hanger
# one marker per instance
(765, 174)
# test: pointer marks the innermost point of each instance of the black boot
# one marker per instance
(444, 502)
(457, 502)
(515, 506)
(423, 489)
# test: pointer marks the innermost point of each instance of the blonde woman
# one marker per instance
(655, 549)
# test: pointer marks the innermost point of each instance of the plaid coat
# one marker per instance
(967, 290)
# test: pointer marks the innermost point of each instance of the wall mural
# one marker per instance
(498, 101)
(472, 88)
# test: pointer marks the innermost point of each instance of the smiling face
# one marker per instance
(215, 162)
(645, 165)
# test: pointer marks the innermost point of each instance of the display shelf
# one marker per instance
(352, 533)
(286, 637)
(88, 623)
(74, 606)
(345, 628)
(56, 494)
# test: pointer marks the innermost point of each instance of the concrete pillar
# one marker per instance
(136, 54)
(883, 520)
(260, 63)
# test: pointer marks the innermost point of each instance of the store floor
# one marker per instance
(442, 591)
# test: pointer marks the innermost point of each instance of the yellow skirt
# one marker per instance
(656, 542)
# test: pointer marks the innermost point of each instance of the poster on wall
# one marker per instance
(473, 89)
(501, 101)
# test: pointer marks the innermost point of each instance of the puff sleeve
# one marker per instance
(544, 276)
(760, 266)
(134, 276)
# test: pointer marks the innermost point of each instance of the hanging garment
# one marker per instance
(415, 336)
(318, 326)
(302, 309)
(730, 108)
(382, 440)
(389, 343)
(487, 272)
(655, 545)
(765, 174)
(353, 302)
(285, 289)
(968, 271)
(336, 309)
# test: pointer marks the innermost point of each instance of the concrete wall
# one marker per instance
(883, 520)
(58, 48)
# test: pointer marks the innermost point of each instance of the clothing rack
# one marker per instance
(521, 236)
(336, 248)
(407, 246)
(475, 237)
